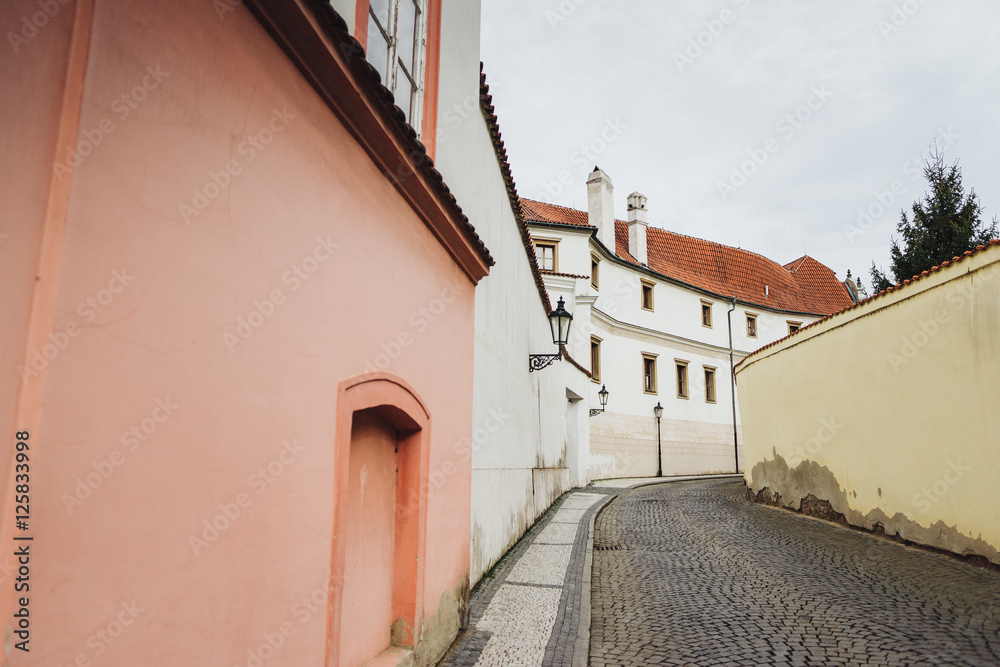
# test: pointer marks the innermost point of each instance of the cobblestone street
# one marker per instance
(692, 574)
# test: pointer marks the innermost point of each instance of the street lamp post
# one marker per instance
(658, 411)
(559, 321)
(603, 395)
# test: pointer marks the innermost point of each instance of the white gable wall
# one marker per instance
(526, 432)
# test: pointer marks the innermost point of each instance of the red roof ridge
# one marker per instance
(721, 270)
(546, 272)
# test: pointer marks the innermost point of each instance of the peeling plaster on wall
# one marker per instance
(813, 489)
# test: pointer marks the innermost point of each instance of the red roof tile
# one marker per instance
(802, 286)
(552, 214)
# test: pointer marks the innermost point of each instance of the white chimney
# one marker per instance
(601, 207)
(637, 227)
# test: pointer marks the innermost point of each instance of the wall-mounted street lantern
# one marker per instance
(658, 412)
(559, 321)
(603, 395)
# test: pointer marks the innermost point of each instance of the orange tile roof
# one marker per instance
(803, 286)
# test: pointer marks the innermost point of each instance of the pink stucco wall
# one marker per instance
(201, 387)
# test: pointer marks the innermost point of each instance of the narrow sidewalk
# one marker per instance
(533, 608)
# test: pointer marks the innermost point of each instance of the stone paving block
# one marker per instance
(521, 620)
(581, 501)
(568, 516)
(558, 533)
(542, 564)
(726, 582)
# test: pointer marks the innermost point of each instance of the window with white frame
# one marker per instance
(396, 36)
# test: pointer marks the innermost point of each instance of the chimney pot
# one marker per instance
(637, 227)
(601, 207)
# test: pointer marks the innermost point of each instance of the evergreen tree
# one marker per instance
(945, 224)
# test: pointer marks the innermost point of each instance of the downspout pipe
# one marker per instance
(732, 384)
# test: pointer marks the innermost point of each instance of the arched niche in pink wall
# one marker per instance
(383, 421)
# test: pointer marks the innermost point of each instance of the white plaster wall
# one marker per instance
(696, 436)
(520, 438)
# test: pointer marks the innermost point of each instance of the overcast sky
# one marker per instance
(765, 124)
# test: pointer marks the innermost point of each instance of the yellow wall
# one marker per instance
(889, 411)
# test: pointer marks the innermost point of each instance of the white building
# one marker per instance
(530, 433)
(660, 319)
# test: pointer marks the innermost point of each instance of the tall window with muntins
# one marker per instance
(396, 35)
(647, 295)
(751, 326)
(682, 379)
(709, 384)
(649, 374)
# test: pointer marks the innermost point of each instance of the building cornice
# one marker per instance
(644, 334)
(317, 40)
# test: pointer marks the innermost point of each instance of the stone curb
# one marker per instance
(581, 647)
